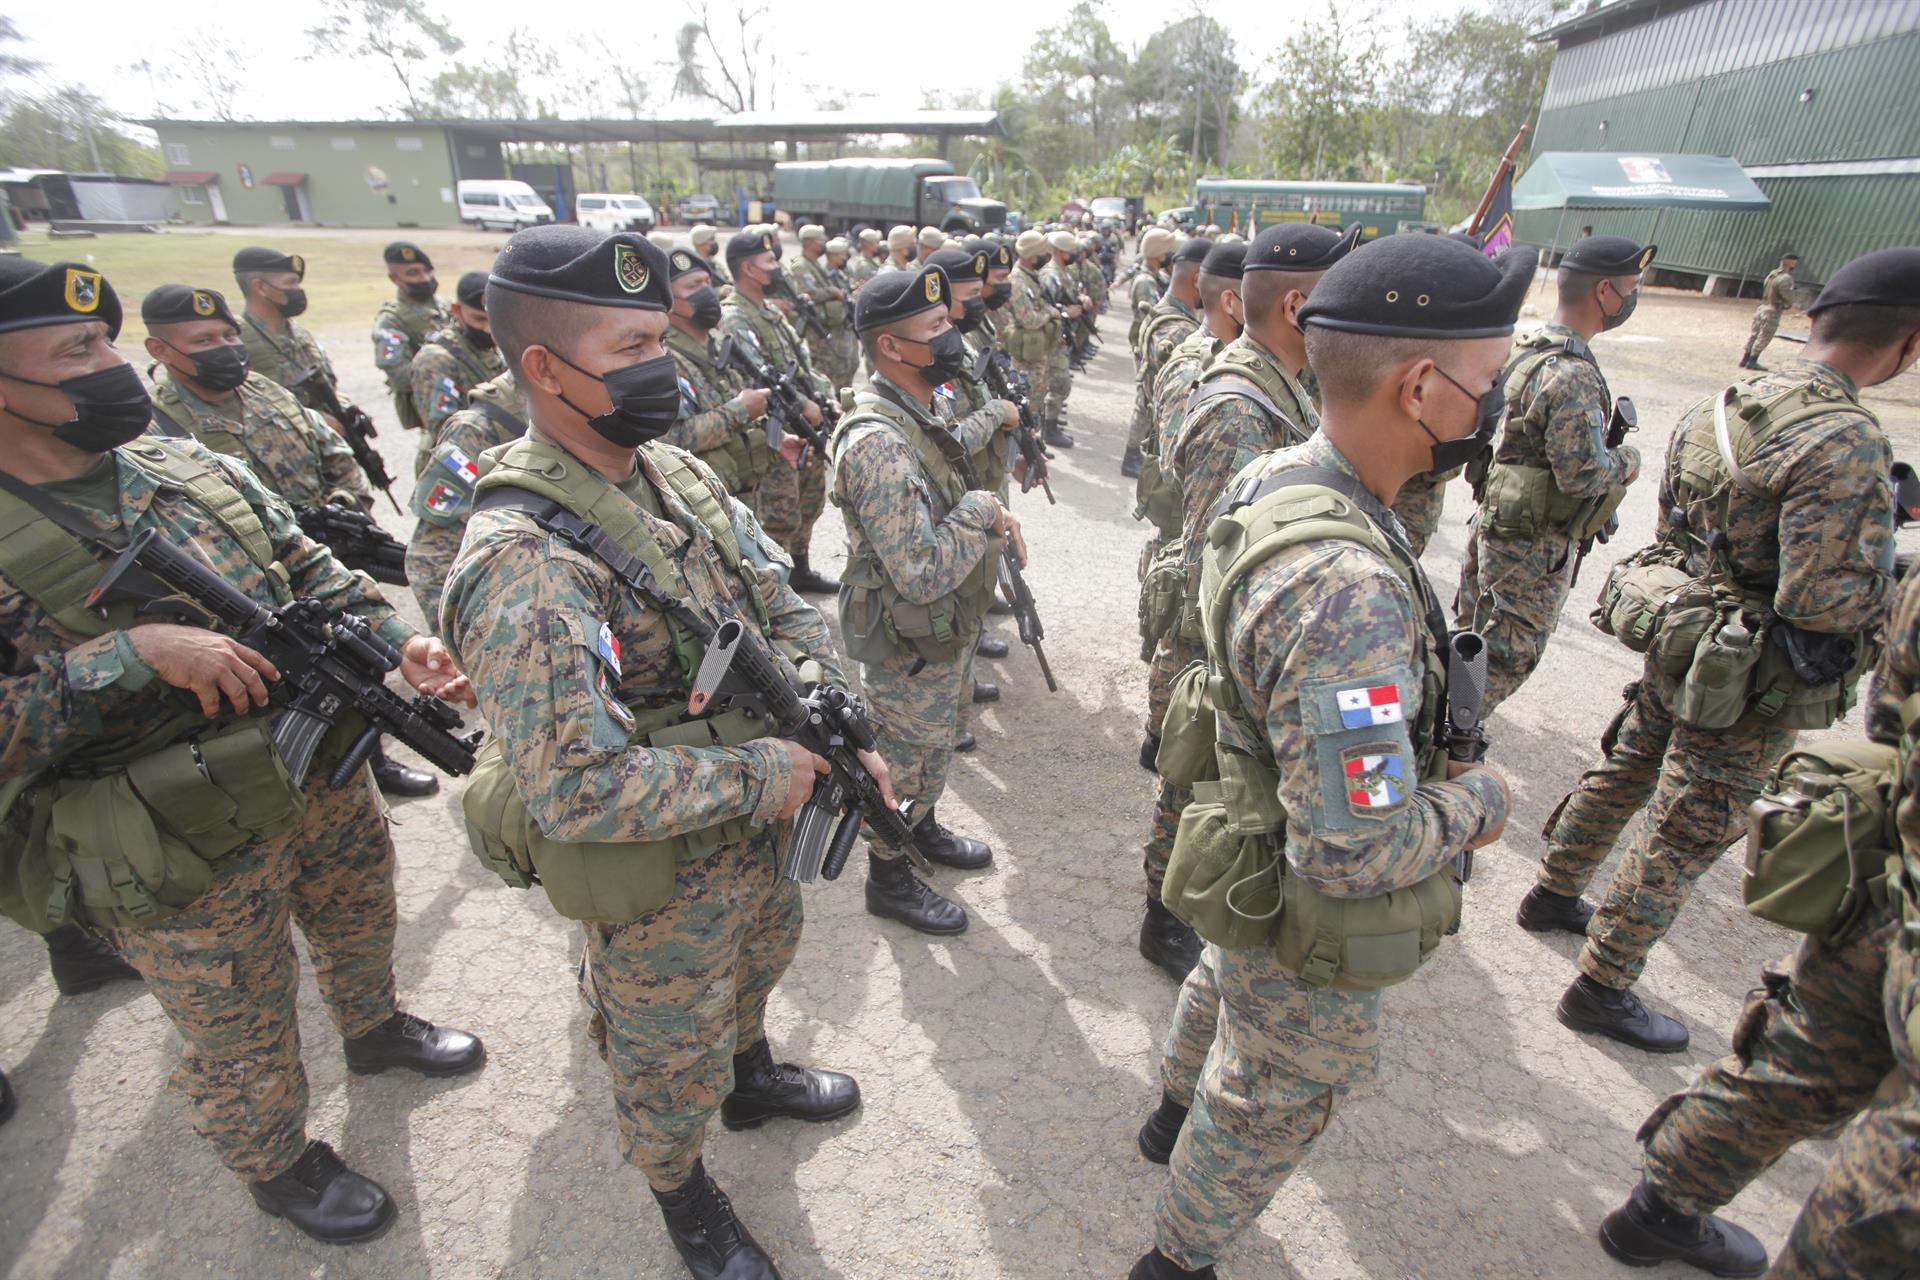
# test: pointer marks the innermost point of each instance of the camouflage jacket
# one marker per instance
(1062, 284)
(861, 268)
(445, 370)
(1093, 281)
(1562, 426)
(812, 278)
(64, 691)
(1777, 292)
(1170, 323)
(288, 358)
(711, 412)
(443, 498)
(562, 657)
(400, 328)
(1312, 624)
(1143, 293)
(290, 447)
(1028, 309)
(1172, 381)
(772, 334)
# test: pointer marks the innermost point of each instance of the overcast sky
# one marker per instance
(97, 46)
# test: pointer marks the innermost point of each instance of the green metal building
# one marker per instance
(1819, 101)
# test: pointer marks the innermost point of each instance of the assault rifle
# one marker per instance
(356, 541)
(1625, 418)
(1465, 729)
(333, 661)
(1004, 382)
(803, 307)
(356, 425)
(784, 396)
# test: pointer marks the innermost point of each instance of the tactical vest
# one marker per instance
(257, 393)
(124, 834)
(609, 881)
(746, 457)
(1523, 502)
(876, 621)
(1157, 493)
(1228, 876)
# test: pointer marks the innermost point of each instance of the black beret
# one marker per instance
(1885, 277)
(257, 258)
(1193, 249)
(978, 244)
(1608, 256)
(744, 244)
(472, 289)
(581, 265)
(681, 261)
(959, 264)
(404, 253)
(1299, 246)
(1409, 286)
(34, 295)
(895, 295)
(1224, 260)
(183, 304)
(999, 258)
(1788, 253)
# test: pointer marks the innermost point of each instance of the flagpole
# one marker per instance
(1505, 167)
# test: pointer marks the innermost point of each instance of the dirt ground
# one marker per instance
(1005, 1071)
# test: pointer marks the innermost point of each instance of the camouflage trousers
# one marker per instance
(1266, 1092)
(1039, 385)
(1700, 782)
(790, 501)
(1809, 1052)
(1059, 384)
(1196, 1018)
(430, 555)
(225, 973)
(1863, 1219)
(1142, 417)
(1511, 592)
(1420, 504)
(1170, 658)
(916, 716)
(1766, 323)
(674, 994)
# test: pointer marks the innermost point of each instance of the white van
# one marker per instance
(604, 211)
(503, 203)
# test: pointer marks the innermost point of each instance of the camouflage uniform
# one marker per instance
(290, 357)
(444, 371)
(1180, 368)
(400, 329)
(496, 412)
(1822, 547)
(789, 500)
(835, 356)
(1310, 620)
(1419, 505)
(1032, 334)
(1143, 294)
(1776, 297)
(1513, 588)
(674, 992)
(224, 970)
(861, 268)
(290, 448)
(1063, 283)
(713, 425)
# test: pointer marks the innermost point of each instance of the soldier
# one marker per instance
(1068, 293)
(845, 347)
(1776, 296)
(901, 249)
(205, 919)
(706, 242)
(453, 362)
(1034, 324)
(867, 262)
(277, 348)
(1776, 489)
(1149, 284)
(811, 278)
(1553, 480)
(405, 322)
(922, 562)
(496, 414)
(723, 421)
(687, 921)
(1309, 617)
(1174, 318)
(210, 395)
(791, 496)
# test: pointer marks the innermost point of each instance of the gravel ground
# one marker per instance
(1004, 1071)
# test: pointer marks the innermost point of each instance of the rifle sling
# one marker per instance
(499, 416)
(57, 511)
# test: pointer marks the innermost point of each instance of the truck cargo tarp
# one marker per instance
(1606, 180)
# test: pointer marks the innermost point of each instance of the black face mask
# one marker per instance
(706, 307)
(1614, 319)
(1448, 454)
(220, 368)
(110, 407)
(976, 314)
(645, 398)
(998, 296)
(422, 290)
(478, 339)
(946, 357)
(296, 302)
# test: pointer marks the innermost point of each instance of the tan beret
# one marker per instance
(813, 231)
(1156, 241)
(702, 234)
(870, 235)
(665, 239)
(1064, 241)
(839, 245)
(901, 238)
(1031, 244)
(932, 237)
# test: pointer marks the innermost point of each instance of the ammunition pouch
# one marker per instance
(1156, 495)
(1523, 503)
(1031, 346)
(1163, 595)
(877, 622)
(1639, 593)
(743, 461)
(1821, 841)
(1189, 731)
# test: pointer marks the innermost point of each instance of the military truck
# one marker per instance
(846, 195)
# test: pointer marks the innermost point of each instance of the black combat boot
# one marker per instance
(985, 691)
(1590, 1006)
(416, 1044)
(949, 848)
(396, 779)
(1157, 1266)
(1168, 941)
(991, 646)
(1543, 911)
(713, 1243)
(766, 1090)
(327, 1200)
(1646, 1231)
(1130, 463)
(1150, 752)
(1055, 433)
(809, 583)
(1162, 1130)
(6, 1099)
(80, 962)
(965, 742)
(895, 893)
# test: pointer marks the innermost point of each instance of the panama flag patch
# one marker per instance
(463, 466)
(1375, 782)
(1363, 708)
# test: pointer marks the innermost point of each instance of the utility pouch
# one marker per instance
(1821, 838)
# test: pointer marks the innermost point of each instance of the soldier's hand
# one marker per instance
(206, 663)
(427, 666)
(754, 401)
(806, 768)
(882, 776)
(811, 412)
(1457, 767)
(1009, 415)
(1008, 527)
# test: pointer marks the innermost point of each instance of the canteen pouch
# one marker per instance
(1224, 876)
(1718, 684)
(1189, 731)
(1637, 595)
(863, 616)
(1821, 839)
(1163, 595)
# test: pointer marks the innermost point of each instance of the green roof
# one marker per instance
(1608, 180)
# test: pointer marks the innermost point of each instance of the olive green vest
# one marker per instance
(620, 880)
(1157, 494)
(219, 435)
(746, 457)
(1524, 501)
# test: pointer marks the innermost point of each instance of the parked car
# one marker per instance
(696, 208)
(501, 203)
(605, 211)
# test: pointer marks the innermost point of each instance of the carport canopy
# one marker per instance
(1617, 180)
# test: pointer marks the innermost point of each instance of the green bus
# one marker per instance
(1246, 206)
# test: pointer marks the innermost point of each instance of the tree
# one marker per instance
(210, 67)
(72, 130)
(13, 64)
(1187, 83)
(1077, 74)
(400, 33)
(504, 87)
(1322, 100)
(732, 82)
